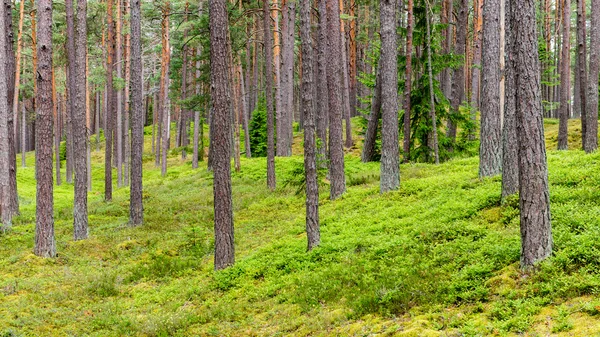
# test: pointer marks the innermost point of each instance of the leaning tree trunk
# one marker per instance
(591, 141)
(45, 245)
(334, 69)
(268, 44)
(308, 107)
(565, 79)
(536, 230)
(390, 161)
(224, 243)
(80, 212)
(490, 149)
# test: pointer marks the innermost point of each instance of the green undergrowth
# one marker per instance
(438, 257)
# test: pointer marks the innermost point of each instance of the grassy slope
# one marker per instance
(436, 258)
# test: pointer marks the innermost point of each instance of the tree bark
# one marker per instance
(510, 155)
(477, 48)
(224, 241)
(80, 212)
(10, 70)
(127, 105)
(322, 114)
(5, 212)
(164, 87)
(490, 149)
(286, 90)
(390, 161)
(57, 134)
(268, 44)
(119, 118)
(45, 244)
(15, 106)
(591, 141)
(308, 107)
(432, 115)
(136, 206)
(110, 104)
(373, 124)
(408, 79)
(458, 79)
(334, 69)
(565, 78)
(70, 86)
(536, 230)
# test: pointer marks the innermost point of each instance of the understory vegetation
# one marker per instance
(438, 257)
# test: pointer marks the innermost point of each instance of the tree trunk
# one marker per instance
(490, 149)
(164, 87)
(110, 104)
(268, 44)
(224, 242)
(70, 86)
(126, 126)
(432, 115)
(119, 118)
(591, 142)
(244, 113)
(45, 245)
(373, 124)
(390, 161)
(408, 79)
(286, 90)
(79, 129)
(510, 155)
(322, 114)
(565, 79)
(10, 71)
(136, 207)
(197, 84)
(308, 107)
(352, 56)
(536, 230)
(5, 211)
(476, 66)
(458, 79)
(334, 69)
(57, 123)
(582, 68)
(15, 106)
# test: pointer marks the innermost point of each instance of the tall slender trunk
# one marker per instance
(582, 67)
(565, 78)
(352, 56)
(118, 146)
(536, 229)
(275, 9)
(136, 207)
(224, 241)
(45, 244)
(476, 65)
(109, 116)
(197, 112)
(15, 107)
(244, 113)
(368, 153)
(308, 106)
(591, 142)
(322, 93)
(12, 122)
(334, 69)
(126, 117)
(458, 79)
(164, 86)
(5, 212)
(57, 123)
(432, 115)
(390, 161)
(70, 86)
(286, 88)
(408, 79)
(79, 129)
(345, 86)
(490, 149)
(268, 44)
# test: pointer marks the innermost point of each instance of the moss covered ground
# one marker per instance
(439, 257)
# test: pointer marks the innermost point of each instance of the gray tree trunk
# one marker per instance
(268, 44)
(308, 110)
(432, 116)
(334, 69)
(80, 212)
(286, 89)
(45, 244)
(408, 79)
(581, 68)
(510, 156)
(224, 242)
(322, 113)
(536, 230)
(591, 142)
(5, 212)
(136, 206)
(390, 160)
(197, 113)
(70, 87)
(490, 149)
(565, 79)
(346, 94)
(110, 104)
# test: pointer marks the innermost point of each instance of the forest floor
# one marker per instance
(439, 257)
